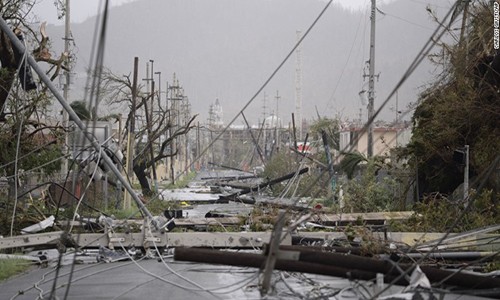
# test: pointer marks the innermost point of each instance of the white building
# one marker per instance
(352, 139)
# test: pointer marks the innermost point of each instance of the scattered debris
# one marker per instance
(49, 222)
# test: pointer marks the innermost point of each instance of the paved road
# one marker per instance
(146, 279)
(150, 279)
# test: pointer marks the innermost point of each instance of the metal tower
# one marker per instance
(264, 108)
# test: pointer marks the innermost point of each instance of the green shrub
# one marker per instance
(436, 213)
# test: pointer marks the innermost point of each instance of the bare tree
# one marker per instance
(118, 93)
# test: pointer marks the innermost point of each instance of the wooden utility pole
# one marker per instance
(186, 108)
(67, 34)
(174, 122)
(298, 86)
(149, 124)
(198, 146)
(371, 81)
(131, 134)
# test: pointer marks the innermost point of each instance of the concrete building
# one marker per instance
(385, 138)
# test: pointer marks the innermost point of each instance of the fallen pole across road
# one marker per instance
(334, 264)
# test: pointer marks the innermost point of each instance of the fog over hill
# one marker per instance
(226, 49)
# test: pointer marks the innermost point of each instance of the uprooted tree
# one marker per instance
(164, 126)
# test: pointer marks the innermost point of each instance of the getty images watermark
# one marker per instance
(496, 25)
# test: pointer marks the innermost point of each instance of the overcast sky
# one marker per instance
(322, 73)
(83, 9)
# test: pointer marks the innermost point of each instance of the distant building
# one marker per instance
(272, 122)
(385, 138)
(218, 115)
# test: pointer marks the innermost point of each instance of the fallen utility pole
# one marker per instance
(41, 74)
(387, 268)
(233, 240)
(226, 167)
(272, 254)
(259, 261)
(228, 178)
(380, 253)
(339, 265)
(372, 218)
(333, 249)
(443, 243)
(274, 202)
(265, 184)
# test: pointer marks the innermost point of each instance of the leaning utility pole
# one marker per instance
(371, 81)
(95, 144)
(67, 34)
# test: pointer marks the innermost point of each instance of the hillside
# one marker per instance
(226, 49)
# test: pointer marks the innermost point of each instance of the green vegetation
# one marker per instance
(11, 267)
(436, 213)
(330, 127)
(369, 194)
(80, 108)
(310, 184)
(460, 108)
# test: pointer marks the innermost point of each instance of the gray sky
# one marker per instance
(80, 9)
(83, 9)
(324, 78)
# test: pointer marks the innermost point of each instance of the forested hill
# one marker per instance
(226, 49)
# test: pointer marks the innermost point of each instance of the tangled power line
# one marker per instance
(436, 36)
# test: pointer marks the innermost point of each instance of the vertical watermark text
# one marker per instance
(496, 25)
